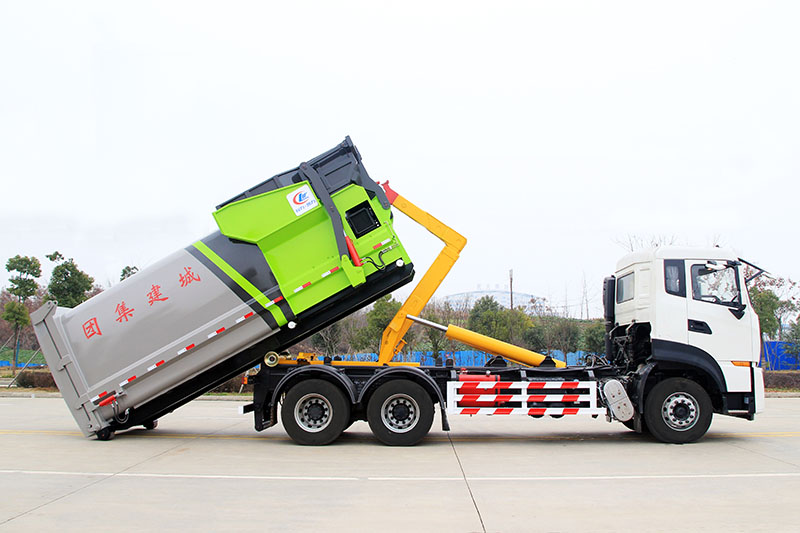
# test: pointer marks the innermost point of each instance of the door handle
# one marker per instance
(698, 326)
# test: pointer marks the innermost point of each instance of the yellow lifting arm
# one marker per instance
(392, 340)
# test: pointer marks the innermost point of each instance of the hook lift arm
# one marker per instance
(392, 340)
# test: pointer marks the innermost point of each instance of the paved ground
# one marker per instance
(206, 469)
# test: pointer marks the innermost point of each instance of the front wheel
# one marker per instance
(677, 411)
(315, 412)
(400, 413)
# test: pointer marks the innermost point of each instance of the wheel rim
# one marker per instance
(400, 413)
(680, 411)
(313, 412)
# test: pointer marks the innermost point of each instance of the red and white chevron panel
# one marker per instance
(535, 398)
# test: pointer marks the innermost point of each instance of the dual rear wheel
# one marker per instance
(315, 412)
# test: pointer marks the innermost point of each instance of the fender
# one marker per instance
(637, 394)
(343, 380)
(687, 355)
(411, 372)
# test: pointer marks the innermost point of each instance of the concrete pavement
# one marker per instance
(206, 469)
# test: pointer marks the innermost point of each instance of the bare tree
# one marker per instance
(632, 242)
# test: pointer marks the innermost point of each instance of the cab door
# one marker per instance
(720, 319)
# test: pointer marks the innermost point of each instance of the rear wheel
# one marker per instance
(400, 413)
(315, 412)
(678, 410)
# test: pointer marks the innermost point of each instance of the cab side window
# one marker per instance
(625, 288)
(716, 286)
(675, 277)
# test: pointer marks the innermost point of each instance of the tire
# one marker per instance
(400, 413)
(150, 424)
(105, 434)
(677, 411)
(315, 412)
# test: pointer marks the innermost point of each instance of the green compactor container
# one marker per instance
(292, 255)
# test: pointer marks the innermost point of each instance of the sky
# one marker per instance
(547, 133)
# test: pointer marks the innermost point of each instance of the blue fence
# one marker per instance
(774, 357)
(461, 357)
(19, 364)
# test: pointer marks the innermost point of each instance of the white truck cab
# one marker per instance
(685, 313)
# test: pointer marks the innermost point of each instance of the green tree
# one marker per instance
(127, 272)
(766, 304)
(593, 337)
(484, 317)
(773, 309)
(793, 342)
(567, 335)
(382, 312)
(23, 286)
(69, 285)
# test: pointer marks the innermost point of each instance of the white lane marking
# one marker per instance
(180, 476)
(337, 478)
(594, 478)
(56, 473)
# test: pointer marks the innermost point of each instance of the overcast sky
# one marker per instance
(544, 132)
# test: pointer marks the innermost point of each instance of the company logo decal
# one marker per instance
(302, 200)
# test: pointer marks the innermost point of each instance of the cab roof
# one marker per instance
(676, 252)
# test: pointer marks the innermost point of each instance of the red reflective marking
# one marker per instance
(536, 385)
(570, 398)
(503, 398)
(102, 394)
(278, 299)
(160, 363)
(220, 330)
(470, 411)
(131, 378)
(334, 269)
(307, 285)
(570, 411)
(190, 347)
(569, 385)
(536, 398)
(470, 398)
(377, 246)
(477, 377)
(536, 411)
(503, 411)
(107, 401)
(248, 315)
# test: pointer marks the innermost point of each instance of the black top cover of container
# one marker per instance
(337, 168)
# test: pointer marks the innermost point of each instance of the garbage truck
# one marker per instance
(312, 245)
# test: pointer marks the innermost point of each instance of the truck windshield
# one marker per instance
(715, 286)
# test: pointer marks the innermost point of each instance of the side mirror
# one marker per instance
(713, 265)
